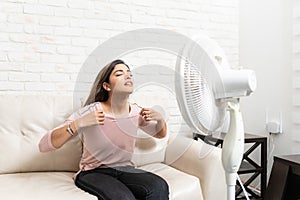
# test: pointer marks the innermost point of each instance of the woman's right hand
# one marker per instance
(94, 118)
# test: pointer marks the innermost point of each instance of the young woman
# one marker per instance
(108, 125)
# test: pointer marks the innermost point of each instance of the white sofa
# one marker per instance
(192, 169)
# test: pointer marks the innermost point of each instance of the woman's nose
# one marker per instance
(128, 75)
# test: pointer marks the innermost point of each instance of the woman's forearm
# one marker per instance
(61, 135)
(161, 129)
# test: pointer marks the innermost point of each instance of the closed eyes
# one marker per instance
(118, 73)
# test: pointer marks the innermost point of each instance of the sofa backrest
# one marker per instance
(24, 119)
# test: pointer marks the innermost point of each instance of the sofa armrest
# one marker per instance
(201, 160)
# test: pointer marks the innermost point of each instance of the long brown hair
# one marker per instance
(98, 93)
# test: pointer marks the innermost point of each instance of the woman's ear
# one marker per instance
(106, 86)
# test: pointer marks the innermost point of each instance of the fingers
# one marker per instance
(147, 114)
(145, 111)
(99, 116)
(150, 114)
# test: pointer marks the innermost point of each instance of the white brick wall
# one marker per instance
(44, 43)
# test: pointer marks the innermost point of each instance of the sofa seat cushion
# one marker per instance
(182, 186)
(41, 185)
(60, 185)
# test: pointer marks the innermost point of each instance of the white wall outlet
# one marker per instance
(273, 127)
(273, 121)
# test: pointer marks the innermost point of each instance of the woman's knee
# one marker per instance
(163, 186)
(159, 188)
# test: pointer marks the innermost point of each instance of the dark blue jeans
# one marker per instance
(123, 183)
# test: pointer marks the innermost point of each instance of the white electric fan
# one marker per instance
(206, 88)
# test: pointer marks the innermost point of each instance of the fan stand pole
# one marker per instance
(233, 148)
(231, 182)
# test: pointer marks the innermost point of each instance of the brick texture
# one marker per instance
(44, 43)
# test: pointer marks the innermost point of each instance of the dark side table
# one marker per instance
(248, 165)
(284, 179)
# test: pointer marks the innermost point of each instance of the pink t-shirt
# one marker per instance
(107, 145)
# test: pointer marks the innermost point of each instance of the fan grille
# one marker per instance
(207, 116)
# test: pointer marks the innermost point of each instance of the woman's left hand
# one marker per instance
(149, 114)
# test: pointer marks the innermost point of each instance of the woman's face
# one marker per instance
(120, 80)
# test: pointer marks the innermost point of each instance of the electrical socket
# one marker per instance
(274, 125)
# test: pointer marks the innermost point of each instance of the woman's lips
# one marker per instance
(129, 83)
